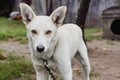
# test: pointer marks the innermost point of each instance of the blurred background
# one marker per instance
(98, 19)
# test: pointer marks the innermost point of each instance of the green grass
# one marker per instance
(16, 68)
(89, 34)
(94, 75)
(12, 30)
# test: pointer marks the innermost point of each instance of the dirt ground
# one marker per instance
(104, 58)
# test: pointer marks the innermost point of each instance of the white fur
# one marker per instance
(61, 44)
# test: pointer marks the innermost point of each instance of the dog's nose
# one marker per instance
(40, 48)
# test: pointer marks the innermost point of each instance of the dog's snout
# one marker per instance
(40, 48)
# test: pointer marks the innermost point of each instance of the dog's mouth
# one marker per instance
(42, 55)
(44, 52)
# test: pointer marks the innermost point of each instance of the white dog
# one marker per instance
(54, 45)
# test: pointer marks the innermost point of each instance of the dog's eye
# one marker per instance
(48, 32)
(34, 31)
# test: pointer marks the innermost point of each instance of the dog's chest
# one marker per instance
(50, 63)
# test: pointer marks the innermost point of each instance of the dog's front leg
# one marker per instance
(67, 75)
(65, 69)
(41, 76)
(49, 78)
(40, 73)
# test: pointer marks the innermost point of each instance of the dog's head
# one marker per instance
(41, 30)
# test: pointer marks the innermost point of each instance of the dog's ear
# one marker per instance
(26, 13)
(58, 15)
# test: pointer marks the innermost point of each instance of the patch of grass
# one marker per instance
(110, 42)
(2, 50)
(94, 76)
(26, 77)
(22, 40)
(15, 67)
(89, 34)
(11, 30)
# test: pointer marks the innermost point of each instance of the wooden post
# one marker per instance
(82, 14)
